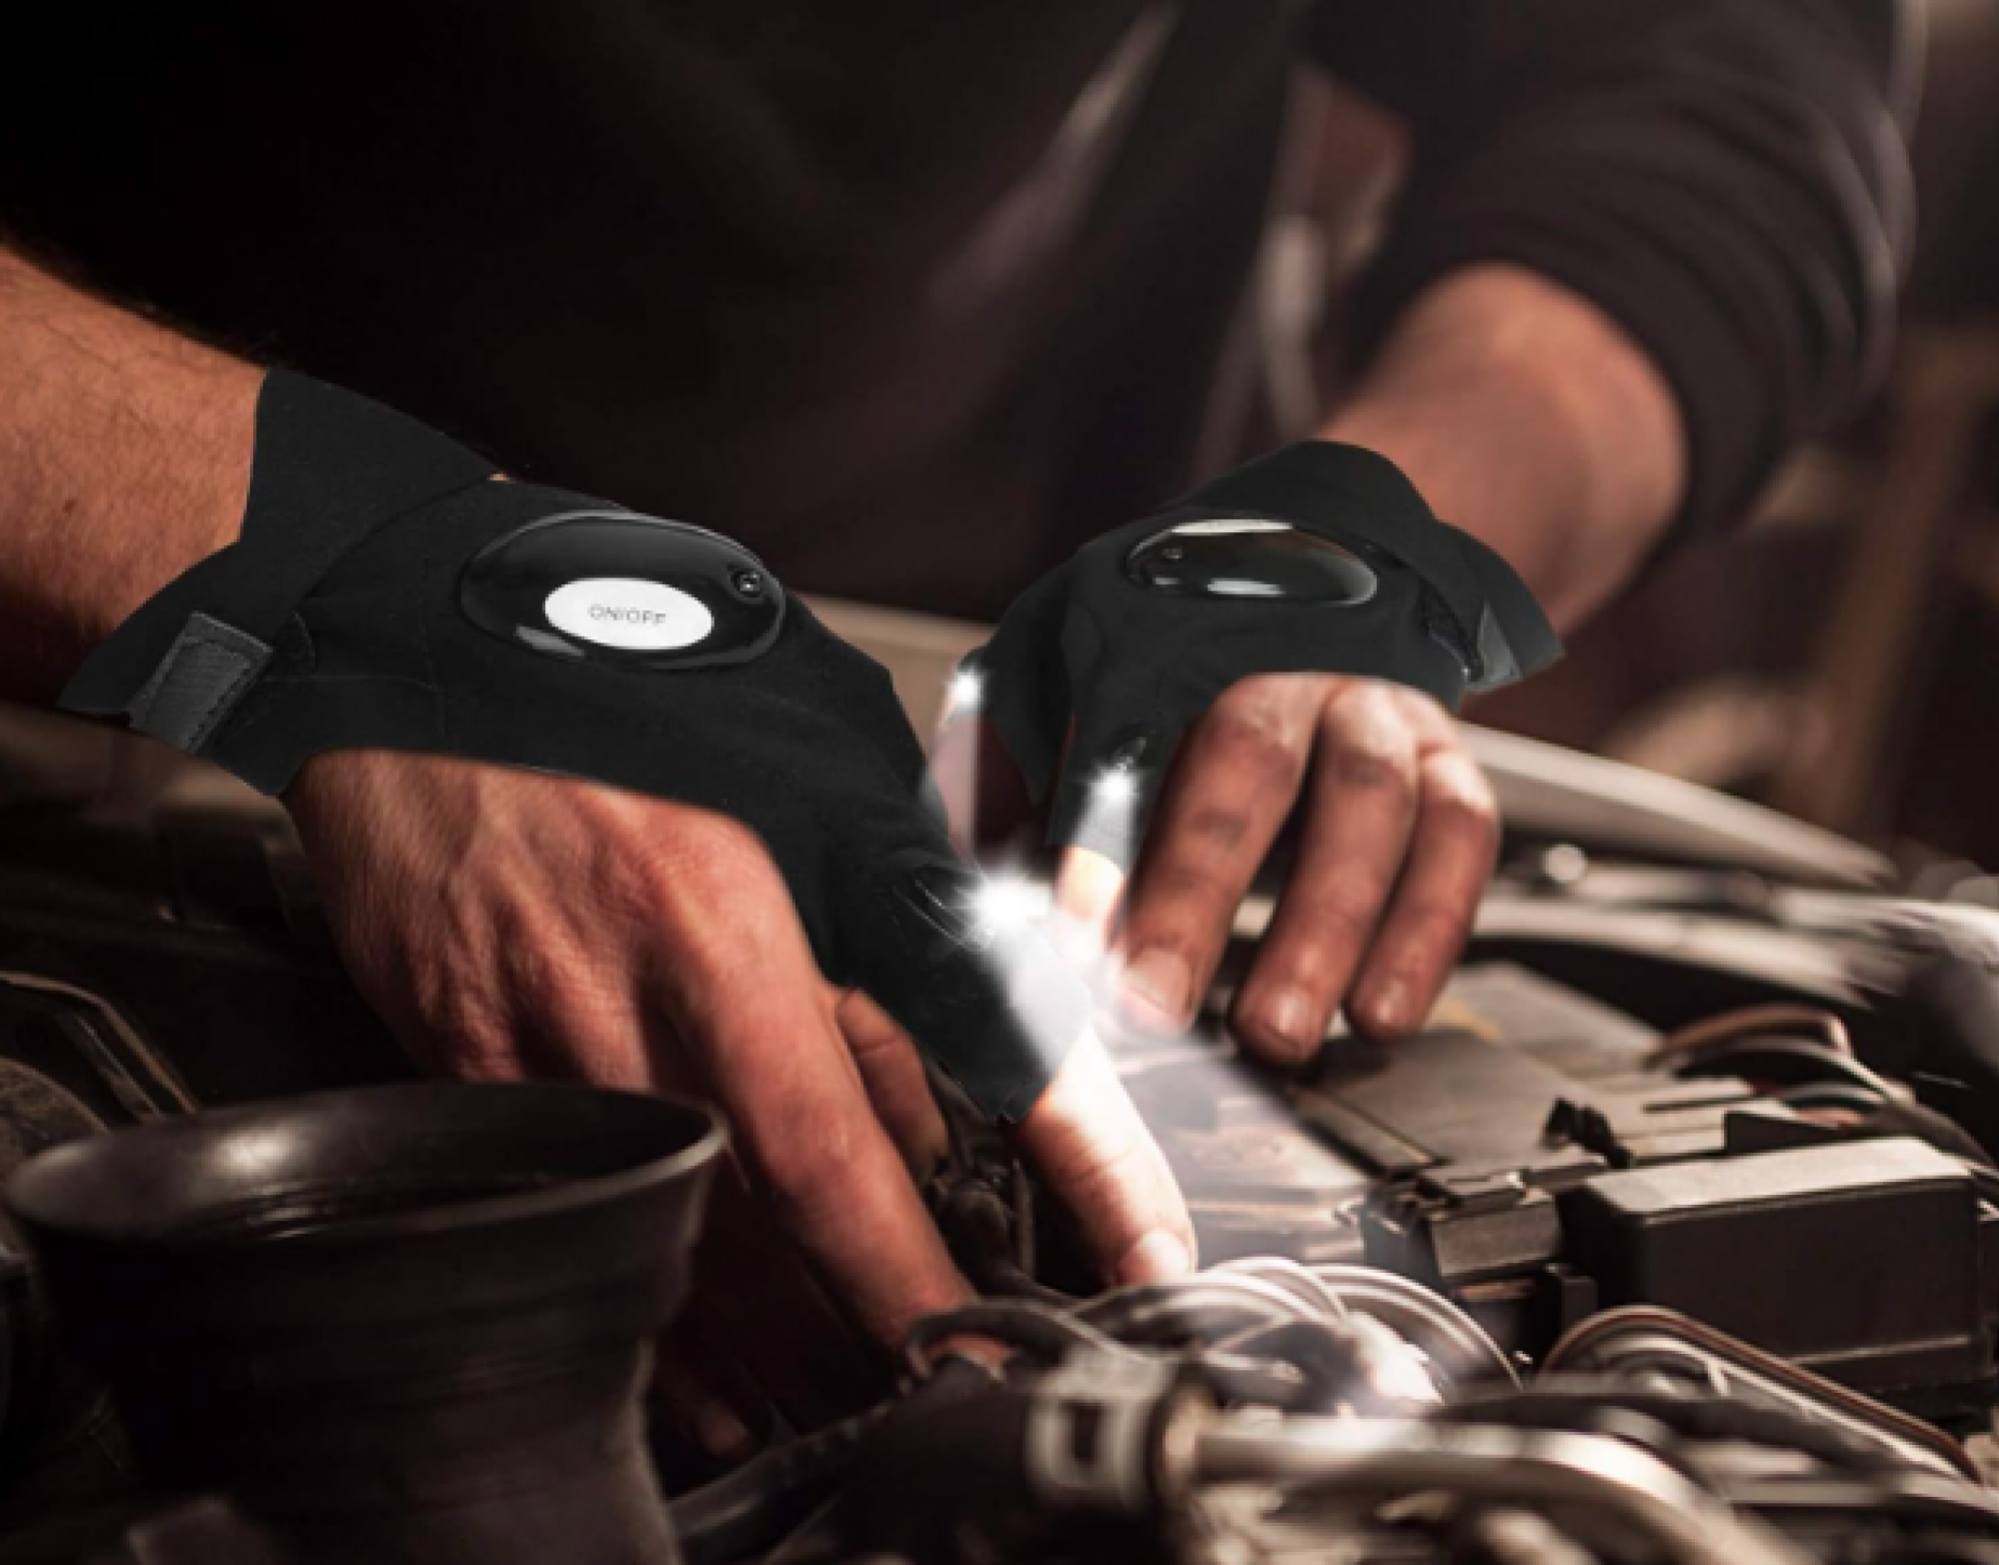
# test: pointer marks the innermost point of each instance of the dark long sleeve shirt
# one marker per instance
(914, 297)
(1727, 178)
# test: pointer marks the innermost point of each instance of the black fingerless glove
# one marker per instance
(1320, 558)
(389, 591)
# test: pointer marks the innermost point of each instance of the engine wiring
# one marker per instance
(1269, 1408)
(1750, 1022)
(1356, 1404)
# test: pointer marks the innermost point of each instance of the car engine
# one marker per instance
(1674, 1236)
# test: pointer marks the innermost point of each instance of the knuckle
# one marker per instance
(1253, 738)
(1184, 888)
(1423, 710)
(1445, 923)
(1367, 702)
(879, 1049)
(1372, 763)
(634, 893)
(1323, 923)
(632, 882)
(1473, 818)
(661, 877)
(1455, 784)
(1343, 921)
(449, 995)
(471, 1032)
(866, 1028)
(705, 848)
(1217, 828)
(1436, 928)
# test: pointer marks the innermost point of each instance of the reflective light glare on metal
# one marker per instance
(1250, 558)
(256, 1150)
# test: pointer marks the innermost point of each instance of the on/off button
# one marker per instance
(629, 613)
(632, 591)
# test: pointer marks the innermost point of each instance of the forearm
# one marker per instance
(124, 458)
(1527, 417)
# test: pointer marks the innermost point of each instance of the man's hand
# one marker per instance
(1525, 416)
(511, 925)
(1398, 831)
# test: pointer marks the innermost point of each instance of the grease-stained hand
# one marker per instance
(1397, 838)
(509, 924)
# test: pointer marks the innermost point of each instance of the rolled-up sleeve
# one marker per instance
(1726, 178)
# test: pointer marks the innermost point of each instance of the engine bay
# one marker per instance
(1672, 1236)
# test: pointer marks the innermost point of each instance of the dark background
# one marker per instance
(1840, 658)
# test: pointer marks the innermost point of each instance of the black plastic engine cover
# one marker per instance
(1867, 1261)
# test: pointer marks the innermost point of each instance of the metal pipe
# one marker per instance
(1381, 1458)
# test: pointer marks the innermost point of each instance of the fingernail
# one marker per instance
(1392, 1007)
(1158, 1257)
(1162, 982)
(1287, 1016)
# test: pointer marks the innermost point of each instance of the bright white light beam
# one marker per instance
(1114, 788)
(967, 692)
(1007, 902)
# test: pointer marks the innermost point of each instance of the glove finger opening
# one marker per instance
(1111, 781)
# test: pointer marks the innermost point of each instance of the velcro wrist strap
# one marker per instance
(193, 689)
(350, 467)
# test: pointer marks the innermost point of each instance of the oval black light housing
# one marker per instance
(629, 590)
(1250, 558)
